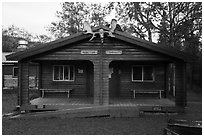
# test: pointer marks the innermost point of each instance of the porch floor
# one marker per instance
(141, 102)
(84, 107)
(61, 101)
(113, 102)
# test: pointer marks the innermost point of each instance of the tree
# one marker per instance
(14, 31)
(12, 34)
(168, 19)
(97, 14)
(9, 44)
(138, 17)
(70, 19)
(180, 19)
(73, 15)
(42, 38)
(163, 37)
(10, 37)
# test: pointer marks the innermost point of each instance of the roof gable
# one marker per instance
(81, 36)
(4, 61)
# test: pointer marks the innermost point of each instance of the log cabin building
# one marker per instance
(9, 72)
(107, 66)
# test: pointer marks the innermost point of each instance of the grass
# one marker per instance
(9, 102)
(84, 126)
(146, 125)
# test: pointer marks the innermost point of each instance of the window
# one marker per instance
(142, 73)
(15, 71)
(63, 73)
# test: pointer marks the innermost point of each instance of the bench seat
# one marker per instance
(57, 91)
(153, 91)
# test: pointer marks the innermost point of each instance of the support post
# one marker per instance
(167, 90)
(96, 83)
(19, 83)
(39, 79)
(101, 83)
(23, 82)
(180, 84)
(105, 80)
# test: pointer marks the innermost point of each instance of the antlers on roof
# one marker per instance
(88, 30)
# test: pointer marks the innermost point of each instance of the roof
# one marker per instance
(4, 61)
(118, 34)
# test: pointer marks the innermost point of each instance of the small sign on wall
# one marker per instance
(89, 52)
(80, 71)
(114, 52)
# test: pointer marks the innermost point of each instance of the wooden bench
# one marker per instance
(153, 91)
(56, 90)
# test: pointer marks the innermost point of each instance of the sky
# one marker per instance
(31, 16)
(35, 17)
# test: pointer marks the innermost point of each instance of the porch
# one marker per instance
(84, 107)
(66, 103)
(117, 81)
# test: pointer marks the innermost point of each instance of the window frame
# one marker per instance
(142, 80)
(13, 72)
(53, 73)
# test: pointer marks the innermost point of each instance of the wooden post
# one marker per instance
(24, 83)
(19, 83)
(167, 82)
(134, 94)
(96, 82)
(160, 95)
(101, 74)
(39, 78)
(28, 74)
(105, 81)
(180, 84)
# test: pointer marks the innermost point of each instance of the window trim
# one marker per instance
(13, 72)
(142, 80)
(63, 73)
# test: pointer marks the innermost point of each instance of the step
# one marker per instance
(90, 111)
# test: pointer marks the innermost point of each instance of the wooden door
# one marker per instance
(114, 82)
(89, 80)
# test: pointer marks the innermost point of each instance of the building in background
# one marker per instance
(9, 72)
